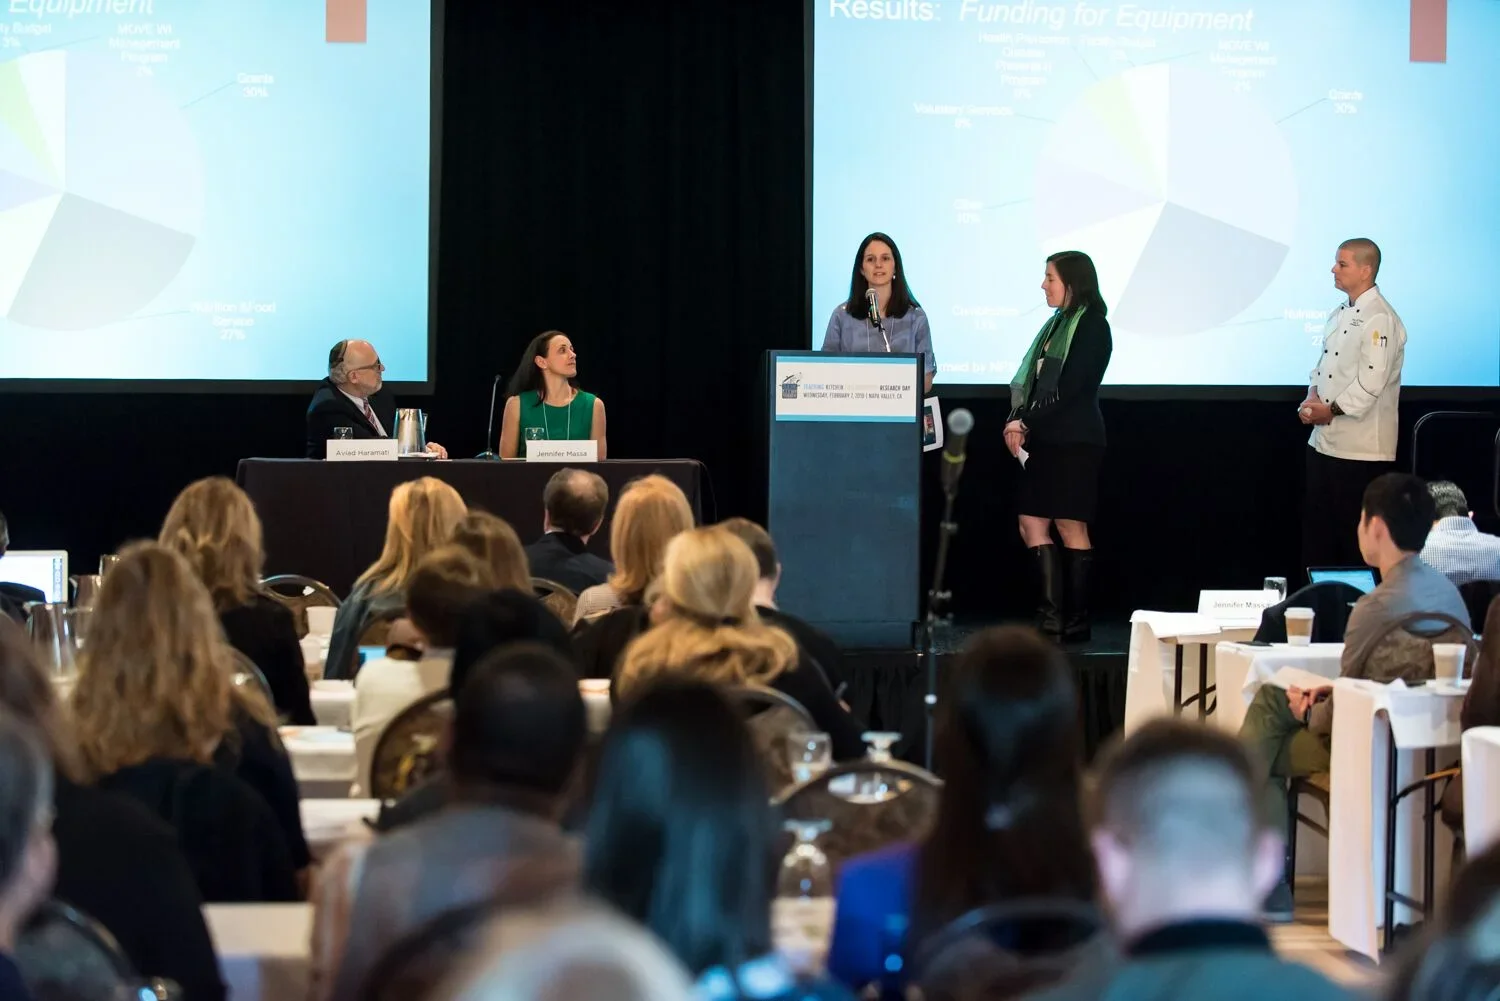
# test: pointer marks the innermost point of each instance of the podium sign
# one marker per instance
(361, 449)
(581, 450)
(845, 450)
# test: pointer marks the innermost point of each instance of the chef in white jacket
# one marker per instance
(1352, 398)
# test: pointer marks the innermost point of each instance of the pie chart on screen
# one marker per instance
(1180, 189)
(101, 191)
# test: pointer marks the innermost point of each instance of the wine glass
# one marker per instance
(802, 916)
(811, 755)
(875, 786)
(1277, 584)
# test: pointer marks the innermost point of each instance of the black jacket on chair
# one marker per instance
(331, 409)
(1331, 602)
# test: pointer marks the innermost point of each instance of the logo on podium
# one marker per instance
(789, 386)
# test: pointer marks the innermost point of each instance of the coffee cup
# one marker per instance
(1448, 661)
(320, 620)
(1299, 623)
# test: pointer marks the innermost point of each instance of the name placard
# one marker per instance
(1237, 606)
(834, 387)
(361, 449)
(586, 450)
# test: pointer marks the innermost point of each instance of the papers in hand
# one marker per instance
(1022, 455)
(1295, 677)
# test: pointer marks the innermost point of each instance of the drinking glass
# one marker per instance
(107, 563)
(876, 786)
(802, 915)
(343, 433)
(811, 755)
(1277, 584)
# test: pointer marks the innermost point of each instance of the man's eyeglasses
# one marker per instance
(377, 366)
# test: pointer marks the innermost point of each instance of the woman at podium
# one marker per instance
(1057, 431)
(544, 402)
(880, 313)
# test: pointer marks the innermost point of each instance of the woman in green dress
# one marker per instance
(545, 403)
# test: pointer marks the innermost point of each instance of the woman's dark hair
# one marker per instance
(1010, 823)
(1076, 269)
(499, 619)
(1459, 958)
(901, 297)
(528, 376)
(680, 832)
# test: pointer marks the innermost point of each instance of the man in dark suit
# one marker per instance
(574, 502)
(815, 643)
(353, 396)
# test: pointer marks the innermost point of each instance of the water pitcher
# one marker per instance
(85, 589)
(51, 634)
(411, 431)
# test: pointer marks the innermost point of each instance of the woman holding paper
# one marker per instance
(545, 403)
(880, 313)
(1057, 432)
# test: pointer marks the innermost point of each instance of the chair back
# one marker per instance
(1330, 601)
(904, 811)
(65, 955)
(298, 594)
(248, 673)
(560, 601)
(1477, 595)
(1007, 950)
(407, 752)
(772, 717)
(1403, 649)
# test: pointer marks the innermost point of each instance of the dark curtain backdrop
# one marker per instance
(633, 174)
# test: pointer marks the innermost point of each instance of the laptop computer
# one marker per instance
(44, 569)
(1362, 578)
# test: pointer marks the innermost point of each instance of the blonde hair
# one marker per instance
(651, 511)
(710, 630)
(491, 539)
(423, 515)
(156, 678)
(213, 525)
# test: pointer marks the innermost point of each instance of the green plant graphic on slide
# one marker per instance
(101, 191)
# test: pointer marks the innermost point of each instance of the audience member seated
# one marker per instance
(153, 706)
(649, 513)
(1290, 730)
(706, 628)
(443, 585)
(493, 622)
(1458, 959)
(816, 644)
(14, 597)
(115, 861)
(28, 856)
(575, 501)
(213, 525)
(518, 730)
(1481, 707)
(1008, 827)
(422, 516)
(1185, 857)
(495, 544)
(681, 838)
(1456, 547)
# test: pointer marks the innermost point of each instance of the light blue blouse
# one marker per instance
(908, 335)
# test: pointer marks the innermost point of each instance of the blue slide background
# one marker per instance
(315, 196)
(1411, 166)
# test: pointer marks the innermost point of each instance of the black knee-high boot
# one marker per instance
(1049, 607)
(1077, 566)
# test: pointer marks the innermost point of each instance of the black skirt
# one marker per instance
(1060, 480)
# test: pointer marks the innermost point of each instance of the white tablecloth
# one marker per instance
(1481, 754)
(333, 703)
(322, 760)
(1243, 669)
(329, 823)
(1154, 639)
(263, 949)
(1366, 717)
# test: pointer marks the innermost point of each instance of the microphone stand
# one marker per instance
(489, 434)
(937, 615)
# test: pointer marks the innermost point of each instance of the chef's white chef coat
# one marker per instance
(1364, 345)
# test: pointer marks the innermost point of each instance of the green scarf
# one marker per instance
(1051, 347)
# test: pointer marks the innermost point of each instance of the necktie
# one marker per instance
(370, 415)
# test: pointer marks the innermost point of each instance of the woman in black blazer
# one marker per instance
(1057, 429)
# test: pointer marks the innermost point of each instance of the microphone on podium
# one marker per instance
(955, 448)
(873, 302)
(489, 434)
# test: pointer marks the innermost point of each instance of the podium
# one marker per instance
(845, 451)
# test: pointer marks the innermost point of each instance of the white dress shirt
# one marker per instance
(360, 403)
(383, 688)
(1364, 345)
(1458, 550)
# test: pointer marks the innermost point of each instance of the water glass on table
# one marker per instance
(343, 433)
(802, 914)
(1277, 584)
(811, 754)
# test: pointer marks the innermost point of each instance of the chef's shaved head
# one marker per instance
(1366, 253)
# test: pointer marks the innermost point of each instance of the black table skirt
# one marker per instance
(326, 520)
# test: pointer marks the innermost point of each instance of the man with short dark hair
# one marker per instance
(1455, 547)
(575, 501)
(816, 644)
(353, 396)
(1184, 858)
(1291, 730)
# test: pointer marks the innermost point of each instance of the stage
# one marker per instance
(887, 688)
